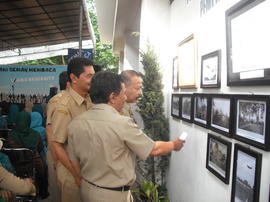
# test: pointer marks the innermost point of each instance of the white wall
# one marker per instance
(165, 26)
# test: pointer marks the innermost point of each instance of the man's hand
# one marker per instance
(177, 144)
(6, 195)
(29, 180)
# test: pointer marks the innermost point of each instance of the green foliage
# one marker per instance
(151, 109)
(148, 192)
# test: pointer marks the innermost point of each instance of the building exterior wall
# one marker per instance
(165, 26)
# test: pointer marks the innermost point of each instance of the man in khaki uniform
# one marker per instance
(133, 84)
(103, 143)
(51, 156)
(72, 103)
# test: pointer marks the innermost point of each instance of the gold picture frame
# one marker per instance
(187, 63)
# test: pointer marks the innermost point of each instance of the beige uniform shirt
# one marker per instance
(10, 182)
(126, 110)
(105, 144)
(51, 106)
(67, 107)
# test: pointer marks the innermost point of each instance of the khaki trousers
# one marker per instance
(91, 193)
(69, 191)
(53, 188)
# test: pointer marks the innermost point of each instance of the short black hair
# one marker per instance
(76, 66)
(128, 74)
(63, 79)
(103, 84)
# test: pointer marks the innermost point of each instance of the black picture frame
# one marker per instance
(246, 174)
(187, 107)
(210, 70)
(201, 109)
(221, 113)
(218, 159)
(175, 105)
(251, 120)
(175, 73)
(245, 65)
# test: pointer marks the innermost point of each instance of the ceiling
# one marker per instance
(31, 23)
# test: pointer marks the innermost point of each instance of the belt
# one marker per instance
(124, 188)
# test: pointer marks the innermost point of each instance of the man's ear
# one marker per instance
(111, 98)
(73, 78)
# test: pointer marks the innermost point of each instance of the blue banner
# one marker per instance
(73, 53)
(18, 81)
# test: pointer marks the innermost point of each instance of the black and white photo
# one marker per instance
(221, 114)
(175, 109)
(251, 119)
(200, 109)
(251, 124)
(246, 175)
(210, 70)
(186, 107)
(218, 157)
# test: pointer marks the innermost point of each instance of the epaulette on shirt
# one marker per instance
(64, 99)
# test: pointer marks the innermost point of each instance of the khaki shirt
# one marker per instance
(126, 110)
(52, 105)
(105, 144)
(68, 106)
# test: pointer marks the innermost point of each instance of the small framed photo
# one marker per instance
(201, 110)
(252, 120)
(246, 175)
(187, 107)
(221, 107)
(175, 72)
(218, 159)
(175, 105)
(210, 70)
(247, 43)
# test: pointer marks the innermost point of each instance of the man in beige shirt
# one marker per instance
(51, 156)
(72, 103)
(133, 84)
(103, 144)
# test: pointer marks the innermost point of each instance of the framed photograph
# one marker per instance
(175, 73)
(175, 105)
(218, 159)
(187, 60)
(221, 113)
(252, 120)
(201, 110)
(187, 107)
(210, 70)
(248, 43)
(246, 175)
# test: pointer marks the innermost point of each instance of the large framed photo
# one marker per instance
(221, 113)
(246, 175)
(248, 43)
(175, 105)
(218, 158)
(252, 120)
(201, 109)
(187, 60)
(210, 70)
(187, 107)
(175, 83)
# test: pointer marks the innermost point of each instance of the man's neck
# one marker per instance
(79, 91)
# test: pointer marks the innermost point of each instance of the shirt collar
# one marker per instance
(79, 99)
(105, 107)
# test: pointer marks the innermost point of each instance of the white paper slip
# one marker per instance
(183, 136)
